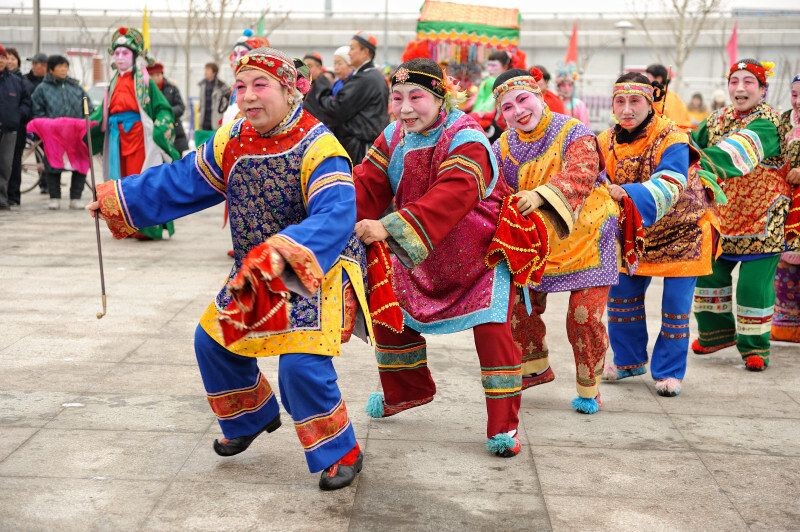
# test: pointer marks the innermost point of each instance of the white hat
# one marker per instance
(344, 53)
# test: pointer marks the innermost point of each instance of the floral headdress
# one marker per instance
(443, 87)
(631, 87)
(525, 83)
(272, 62)
(762, 70)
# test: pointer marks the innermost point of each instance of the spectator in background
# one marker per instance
(565, 85)
(38, 70)
(330, 75)
(15, 109)
(341, 68)
(214, 100)
(359, 111)
(319, 84)
(15, 180)
(497, 63)
(697, 109)
(542, 77)
(671, 105)
(718, 100)
(173, 96)
(57, 96)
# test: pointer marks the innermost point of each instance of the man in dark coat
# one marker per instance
(173, 96)
(359, 112)
(319, 84)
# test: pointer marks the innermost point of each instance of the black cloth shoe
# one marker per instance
(339, 476)
(237, 445)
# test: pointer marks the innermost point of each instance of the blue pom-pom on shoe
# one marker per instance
(586, 405)
(374, 406)
(503, 445)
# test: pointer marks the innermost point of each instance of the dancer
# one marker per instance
(553, 164)
(647, 159)
(434, 169)
(291, 204)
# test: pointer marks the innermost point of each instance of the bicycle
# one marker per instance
(32, 164)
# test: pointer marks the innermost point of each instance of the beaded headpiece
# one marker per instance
(430, 82)
(525, 83)
(631, 87)
(272, 62)
(130, 38)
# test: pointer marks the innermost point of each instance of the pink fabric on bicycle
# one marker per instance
(63, 140)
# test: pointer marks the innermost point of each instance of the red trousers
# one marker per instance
(131, 150)
(585, 331)
(407, 381)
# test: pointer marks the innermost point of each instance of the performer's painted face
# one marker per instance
(522, 109)
(262, 99)
(744, 90)
(795, 97)
(565, 88)
(416, 108)
(494, 67)
(630, 110)
(123, 58)
(238, 52)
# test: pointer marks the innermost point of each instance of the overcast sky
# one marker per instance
(575, 6)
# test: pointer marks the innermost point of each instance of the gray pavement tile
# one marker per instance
(615, 430)
(164, 350)
(629, 395)
(11, 438)
(616, 473)
(72, 346)
(32, 375)
(154, 379)
(431, 465)
(120, 412)
(764, 489)
(75, 504)
(400, 508)
(740, 435)
(237, 506)
(569, 513)
(31, 409)
(119, 455)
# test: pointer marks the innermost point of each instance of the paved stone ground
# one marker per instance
(104, 424)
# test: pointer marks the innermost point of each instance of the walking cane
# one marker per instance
(97, 215)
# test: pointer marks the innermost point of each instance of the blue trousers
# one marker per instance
(244, 402)
(627, 325)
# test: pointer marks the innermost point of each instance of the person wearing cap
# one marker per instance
(671, 105)
(741, 148)
(135, 124)
(60, 96)
(291, 203)
(786, 320)
(552, 163)
(649, 163)
(443, 198)
(319, 83)
(213, 102)
(38, 69)
(341, 68)
(173, 96)
(359, 111)
(15, 110)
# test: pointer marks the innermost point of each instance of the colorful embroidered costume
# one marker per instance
(135, 124)
(652, 166)
(444, 195)
(560, 160)
(786, 320)
(743, 151)
(291, 188)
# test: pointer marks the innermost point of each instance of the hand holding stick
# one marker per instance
(94, 199)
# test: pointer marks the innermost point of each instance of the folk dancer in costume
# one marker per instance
(553, 164)
(648, 160)
(434, 169)
(246, 42)
(293, 226)
(741, 147)
(566, 76)
(786, 320)
(135, 122)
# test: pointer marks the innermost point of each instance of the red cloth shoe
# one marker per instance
(531, 380)
(707, 350)
(755, 363)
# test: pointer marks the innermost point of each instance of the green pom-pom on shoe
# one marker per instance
(503, 445)
(374, 406)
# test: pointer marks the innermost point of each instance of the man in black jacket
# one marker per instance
(15, 109)
(319, 84)
(359, 112)
(174, 98)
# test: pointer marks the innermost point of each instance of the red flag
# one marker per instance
(733, 45)
(572, 49)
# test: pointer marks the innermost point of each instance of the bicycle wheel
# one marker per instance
(32, 164)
